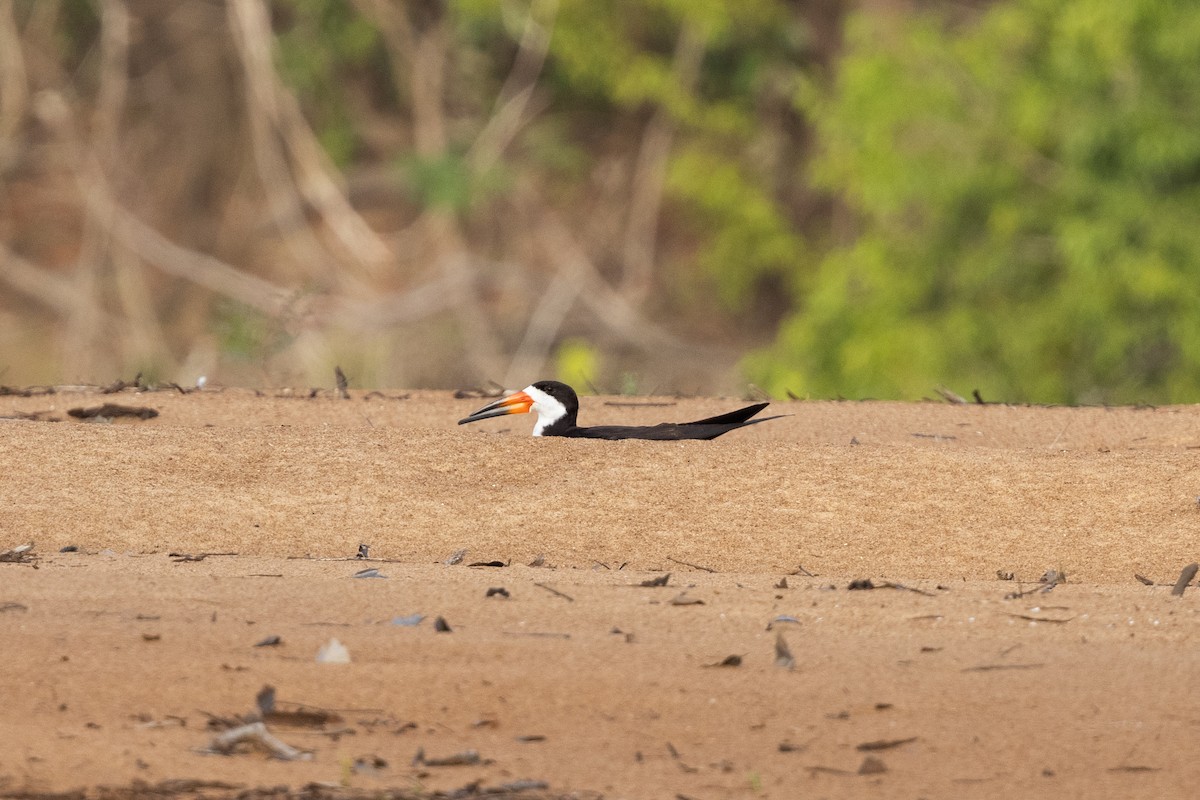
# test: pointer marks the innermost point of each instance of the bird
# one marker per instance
(557, 407)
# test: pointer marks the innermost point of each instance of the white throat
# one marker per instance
(549, 410)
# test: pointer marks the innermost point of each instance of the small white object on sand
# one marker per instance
(333, 652)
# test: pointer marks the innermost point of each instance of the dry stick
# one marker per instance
(1185, 577)
(901, 586)
(1041, 587)
(949, 396)
(998, 667)
(179, 558)
(690, 564)
(1041, 619)
(554, 591)
(257, 733)
(370, 560)
(884, 744)
(538, 634)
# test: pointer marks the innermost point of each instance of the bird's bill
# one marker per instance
(518, 403)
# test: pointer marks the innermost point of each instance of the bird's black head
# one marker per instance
(563, 394)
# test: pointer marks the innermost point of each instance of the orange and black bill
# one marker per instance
(518, 403)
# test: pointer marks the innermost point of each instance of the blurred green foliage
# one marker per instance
(247, 334)
(1024, 199)
(577, 363)
(723, 175)
(321, 44)
(442, 182)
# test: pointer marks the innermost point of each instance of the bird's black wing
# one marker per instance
(709, 428)
(732, 417)
(667, 431)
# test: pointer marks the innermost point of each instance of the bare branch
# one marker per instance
(389, 311)
(610, 307)
(418, 57)
(14, 80)
(180, 262)
(512, 104)
(114, 77)
(650, 173)
(546, 321)
(52, 291)
(250, 23)
(398, 36)
(319, 182)
(142, 335)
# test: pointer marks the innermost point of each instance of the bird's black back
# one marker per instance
(709, 428)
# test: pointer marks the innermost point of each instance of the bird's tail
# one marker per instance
(732, 417)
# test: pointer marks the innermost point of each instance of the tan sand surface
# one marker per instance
(121, 662)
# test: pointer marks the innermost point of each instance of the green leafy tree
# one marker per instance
(1022, 195)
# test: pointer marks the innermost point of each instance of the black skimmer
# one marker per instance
(557, 407)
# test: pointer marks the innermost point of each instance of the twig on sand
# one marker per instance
(1046, 583)
(256, 733)
(21, 554)
(883, 744)
(1032, 618)
(690, 564)
(554, 592)
(997, 667)
(464, 759)
(901, 586)
(180, 558)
